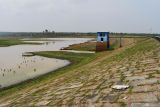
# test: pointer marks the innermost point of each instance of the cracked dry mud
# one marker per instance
(90, 85)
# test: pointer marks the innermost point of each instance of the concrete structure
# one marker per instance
(102, 36)
(103, 42)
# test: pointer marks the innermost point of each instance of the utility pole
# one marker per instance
(120, 39)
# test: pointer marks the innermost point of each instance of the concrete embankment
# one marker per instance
(92, 84)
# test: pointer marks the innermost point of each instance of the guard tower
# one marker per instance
(103, 41)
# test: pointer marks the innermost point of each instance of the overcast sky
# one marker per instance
(80, 15)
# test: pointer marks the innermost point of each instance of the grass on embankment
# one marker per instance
(142, 46)
(10, 42)
(76, 59)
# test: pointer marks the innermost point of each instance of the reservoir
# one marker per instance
(15, 68)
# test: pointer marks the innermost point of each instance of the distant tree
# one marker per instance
(46, 31)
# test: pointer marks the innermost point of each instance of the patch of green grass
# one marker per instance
(10, 42)
(158, 81)
(157, 72)
(130, 90)
(122, 78)
(143, 46)
(116, 98)
(150, 76)
(73, 57)
(122, 104)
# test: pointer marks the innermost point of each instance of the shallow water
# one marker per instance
(15, 68)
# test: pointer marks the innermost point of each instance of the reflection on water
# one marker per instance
(14, 68)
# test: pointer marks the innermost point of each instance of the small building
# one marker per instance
(102, 36)
(103, 41)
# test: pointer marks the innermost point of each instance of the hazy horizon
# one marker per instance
(138, 16)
